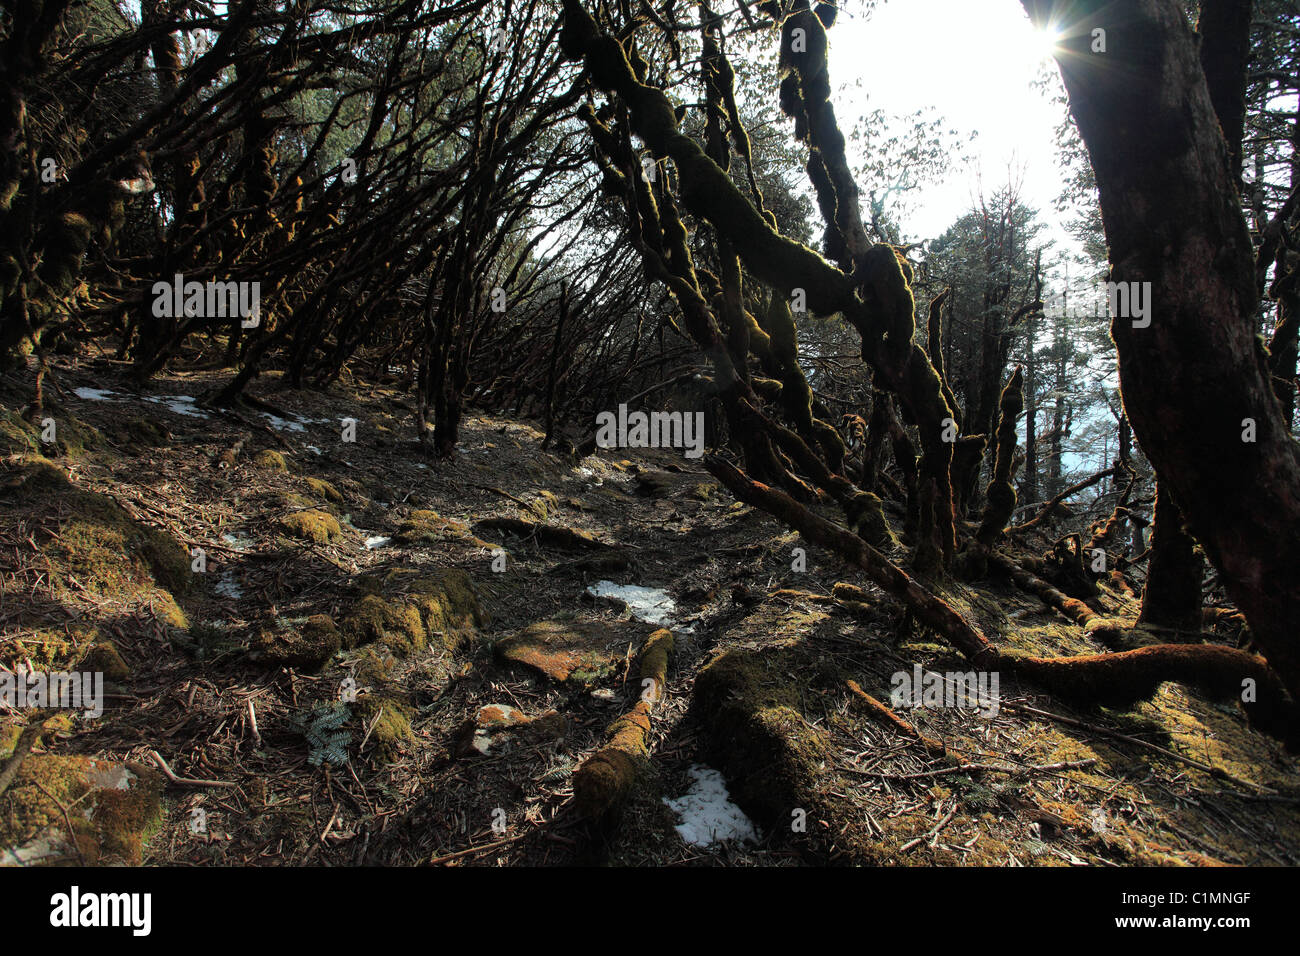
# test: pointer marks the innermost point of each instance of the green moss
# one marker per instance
(393, 622)
(19, 437)
(105, 658)
(138, 432)
(704, 490)
(866, 515)
(97, 542)
(374, 666)
(273, 461)
(9, 735)
(388, 718)
(42, 650)
(405, 608)
(307, 648)
(117, 807)
(315, 526)
(775, 755)
(428, 526)
(325, 490)
(544, 506)
(448, 605)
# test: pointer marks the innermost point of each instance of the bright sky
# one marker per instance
(973, 61)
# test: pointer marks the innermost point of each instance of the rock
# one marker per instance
(582, 653)
(495, 724)
(406, 608)
(105, 659)
(317, 527)
(655, 484)
(272, 461)
(423, 525)
(117, 808)
(308, 648)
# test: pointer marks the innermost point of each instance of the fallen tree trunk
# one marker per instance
(608, 777)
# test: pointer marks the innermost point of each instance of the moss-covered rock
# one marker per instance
(545, 505)
(306, 648)
(405, 609)
(72, 437)
(138, 431)
(97, 542)
(387, 717)
(423, 525)
(323, 489)
(117, 808)
(750, 704)
(104, 658)
(393, 622)
(704, 490)
(273, 461)
(315, 526)
(580, 653)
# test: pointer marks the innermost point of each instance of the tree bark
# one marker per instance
(1172, 597)
(1195, 380)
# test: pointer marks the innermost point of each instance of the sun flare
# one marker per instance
(1045, 42)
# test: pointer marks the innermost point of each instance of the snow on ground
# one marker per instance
(180, 404)
(294, 423)
(95, 394)
(652, 605)
(708, 816)
(228, 586)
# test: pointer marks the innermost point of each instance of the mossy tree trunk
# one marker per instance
(1172, 597)
(1195, 380)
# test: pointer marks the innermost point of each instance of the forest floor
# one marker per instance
(363, 572)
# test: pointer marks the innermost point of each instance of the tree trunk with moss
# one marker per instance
(1172, 597)
(1194, 378)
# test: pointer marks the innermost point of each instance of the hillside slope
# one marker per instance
(389, 659)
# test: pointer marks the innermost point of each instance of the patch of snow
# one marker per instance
(652, 605)
(236, 540)
(313, 449)
(228, 586)
(95, 394)
(180, 404)
(111, 777)
(377, 541)
(708, 816)
(295, 423)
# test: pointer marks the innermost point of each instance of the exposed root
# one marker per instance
(883, 715)
(611, 774)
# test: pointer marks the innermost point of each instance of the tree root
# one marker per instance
(883, 715)
(611, 774)
(929, 609)
(1123, 678)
